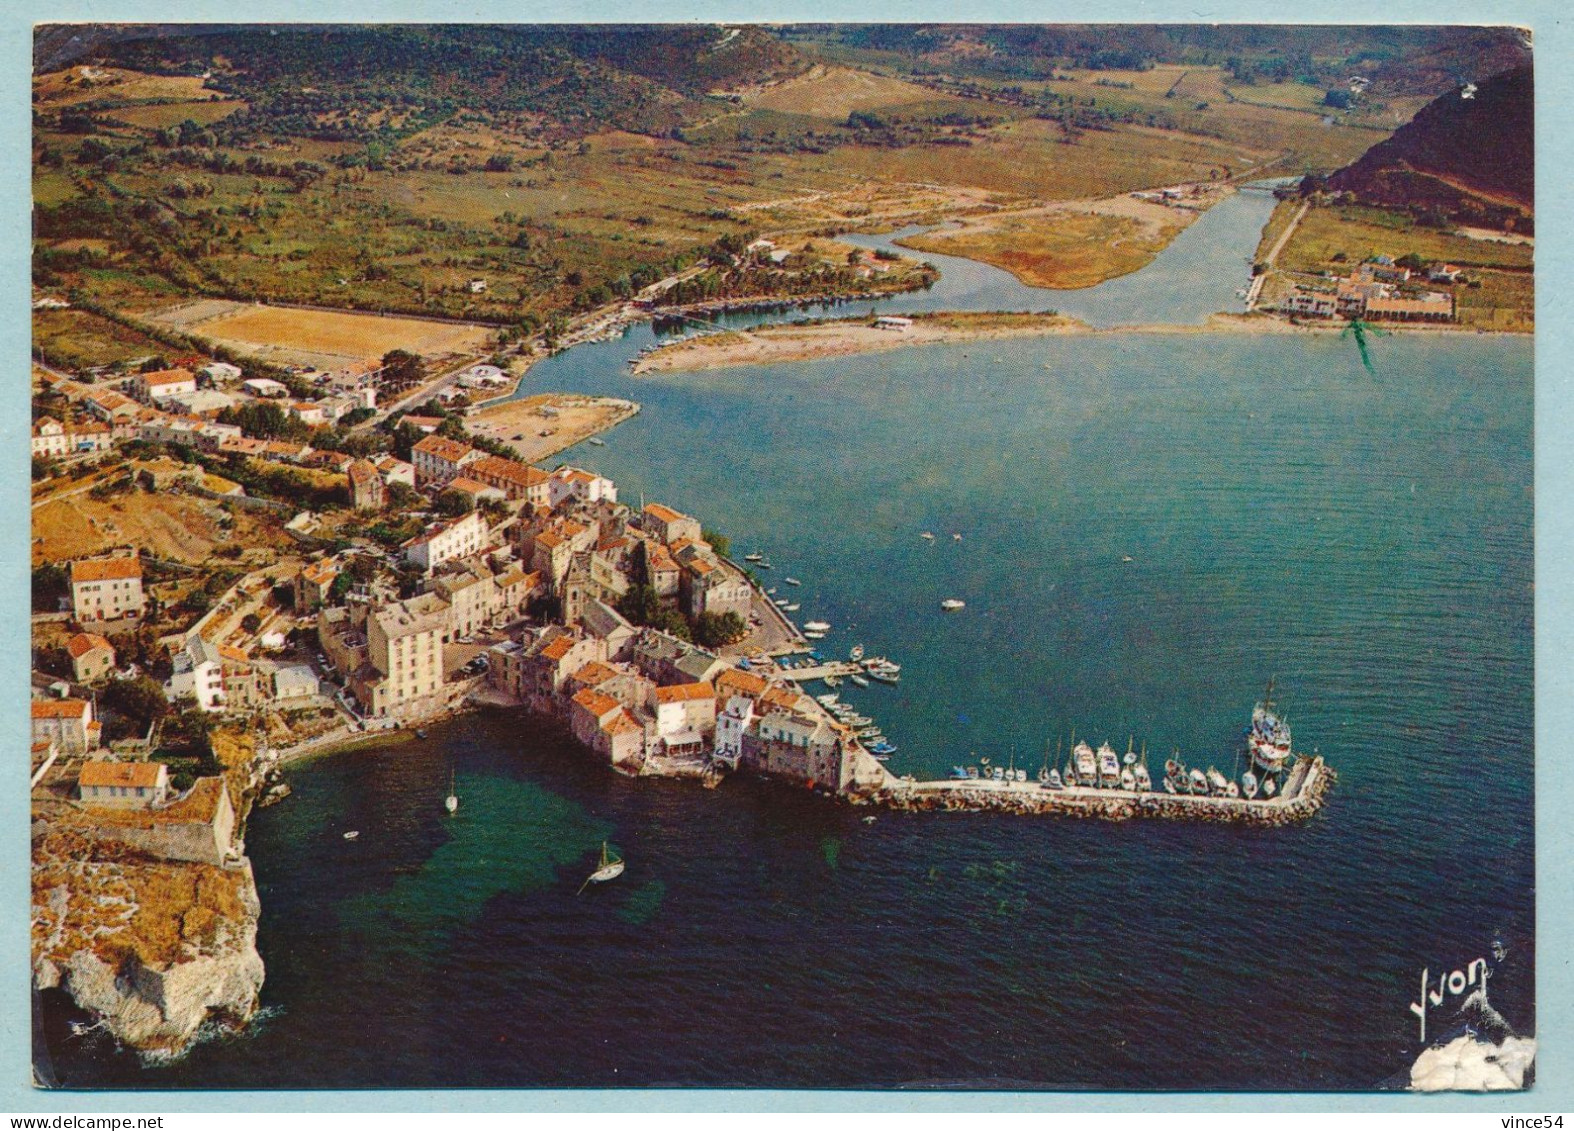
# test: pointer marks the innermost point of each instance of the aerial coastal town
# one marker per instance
(298, 495)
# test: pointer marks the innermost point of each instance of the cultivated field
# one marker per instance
(77, 339)
(1065, 247)
(159, 115)
(319, 337)
(835, 92)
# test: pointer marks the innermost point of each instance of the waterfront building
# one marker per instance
(707, 586)
(666, 577)
(668, 525)
(404, 650)
(547, 661)
(620, 681)
(68, 723)
(438, 459)
(107, 588)
(445, 541)
(583, 486)
(516, 480)
(731, 725)
(735, 683)
(685, 716)
(92, 656)
(123, 785)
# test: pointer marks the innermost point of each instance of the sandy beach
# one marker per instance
(540, 426)
(784, 342)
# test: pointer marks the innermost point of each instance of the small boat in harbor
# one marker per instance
(763, 564)
(610, 868)
(1109, 766)
(826, 700)
(1217, 783)
(771, 592)
(956, 537)
(1269, 787)
(833, 681)
(451, 802)
(817, 626)
(959, 773)
(972, 773)
(883, 676)
(792, 581)
(1232, 790)
(951, 604)
(1087, 764)
(858, 680)
(1249, 785)
(754, 557)
(1268, 736)
(1053, 781)
(597, 441)
(792, 608)
(927, 536)
(1128, 779)
(351, 835)
(1144, 781)
(814, 636)
(1199, 782)
(855, 654)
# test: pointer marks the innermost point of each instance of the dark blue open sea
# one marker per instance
(1367, 540)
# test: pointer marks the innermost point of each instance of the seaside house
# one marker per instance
(107, 588)
(578, 484)
(685, 716)
(404, 649)
(123, 785)
(668, 525)
(731, 725)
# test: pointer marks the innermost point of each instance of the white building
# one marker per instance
(50, 439)
(198, 674)
(265, 387)
(107, 588)
(458, 538)
(123, 785)
(730, 727)
(585, 486)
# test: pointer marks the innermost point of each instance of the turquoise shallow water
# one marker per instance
(1368, 541)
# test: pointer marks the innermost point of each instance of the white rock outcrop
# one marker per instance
(1467, 1064)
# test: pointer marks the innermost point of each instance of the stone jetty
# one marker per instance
(1303, 794)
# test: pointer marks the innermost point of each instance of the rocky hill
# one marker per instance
(1468, 157)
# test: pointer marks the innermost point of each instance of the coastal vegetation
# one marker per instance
(388, 168)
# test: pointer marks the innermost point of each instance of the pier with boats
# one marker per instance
(1279, 784)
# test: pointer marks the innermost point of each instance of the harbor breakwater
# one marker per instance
(1304, 793)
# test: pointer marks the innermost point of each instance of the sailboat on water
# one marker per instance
(610, 868)
(451, 802)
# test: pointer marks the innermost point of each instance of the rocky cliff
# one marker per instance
(154, 948)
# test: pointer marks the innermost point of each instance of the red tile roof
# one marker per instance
(138, 775)
(106, 569)
(59, 708)
(685, 692)
(84, 642)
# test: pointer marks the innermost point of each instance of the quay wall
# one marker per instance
(1299, 801)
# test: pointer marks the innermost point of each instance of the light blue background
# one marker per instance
(1554, 51)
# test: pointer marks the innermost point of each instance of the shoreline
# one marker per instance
(814, 340)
